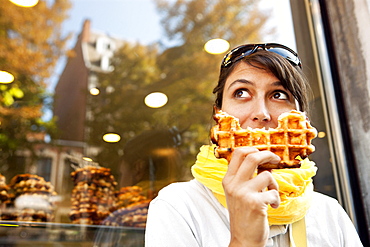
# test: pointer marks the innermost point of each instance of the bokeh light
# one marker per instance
(156, 100)
(216, 46)
(87, 158)
(6, 77)
(94, 91)
(25, 3)
(111, 137)
(321, 134)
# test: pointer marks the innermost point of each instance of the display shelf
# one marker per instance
(13, 233)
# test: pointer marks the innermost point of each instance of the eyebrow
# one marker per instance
(241, 81)
(244, 81)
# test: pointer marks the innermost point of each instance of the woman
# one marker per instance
(228, 204)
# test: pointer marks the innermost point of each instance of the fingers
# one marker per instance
(238, 157)
(255, 193)
(264, 180)
(245, 161)
(240, 179)
(271, 195)
(248, 196)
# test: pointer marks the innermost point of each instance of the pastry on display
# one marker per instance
(96, 201)
(93, 196)
(4, 191)
(291, 138)
(129, 195)
(131, 208)
(4, 196)
(134, 215)
(6, 201)
(29, 184)
(32, 198)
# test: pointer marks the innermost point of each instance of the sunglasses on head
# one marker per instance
(242, 51)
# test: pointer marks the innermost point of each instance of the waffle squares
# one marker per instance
(291, 138)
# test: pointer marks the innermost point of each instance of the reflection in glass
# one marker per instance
(121, 70)
(94, 91)
(156, 100)
(216, 46)
(6, 77)
(25, 3)
(111, 137)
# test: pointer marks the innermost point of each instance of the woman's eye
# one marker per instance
(241, 94)
(280, 95)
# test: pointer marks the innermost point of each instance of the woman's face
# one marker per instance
(256, 97)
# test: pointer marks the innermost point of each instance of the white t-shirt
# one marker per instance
(187, 214)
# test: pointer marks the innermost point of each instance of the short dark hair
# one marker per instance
(291, 77)
(146, 147)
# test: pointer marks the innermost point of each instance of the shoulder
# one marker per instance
(319, 195)
(328, 223)
(183, 193)
(182, 190)
(325, 205)
(179, 187)
(182, 213)
(323, 202)
(191, 201)
(322, 198)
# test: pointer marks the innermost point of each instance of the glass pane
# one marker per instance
(111, 102)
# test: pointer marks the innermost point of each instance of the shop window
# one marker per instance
(156, 145)
(43, 167)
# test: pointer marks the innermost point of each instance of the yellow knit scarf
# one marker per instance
(295, 185)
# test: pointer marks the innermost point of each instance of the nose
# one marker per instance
(261, 113)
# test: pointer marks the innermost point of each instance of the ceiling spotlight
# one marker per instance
(6, 77)
(156, 100)
(94, 91)
(216, 46)
(111, 137)
(25, 3)
(321, 134)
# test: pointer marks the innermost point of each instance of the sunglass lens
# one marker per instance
(242, 51)
(237, 54)
(289, 55)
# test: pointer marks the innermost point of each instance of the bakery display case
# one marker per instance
(57, 234)
(64, 199)
(86, 205)
(98, 215)
(96, 211)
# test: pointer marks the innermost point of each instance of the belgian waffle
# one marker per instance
(291, 138)
(134, 215)
(4, 190)
(33, 198)
(129, 195)
(93, 196)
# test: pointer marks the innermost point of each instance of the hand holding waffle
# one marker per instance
(290, 139)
